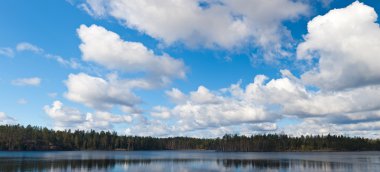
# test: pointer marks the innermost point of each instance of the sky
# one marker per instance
(199, 68)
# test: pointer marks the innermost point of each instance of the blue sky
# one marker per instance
(194, 68)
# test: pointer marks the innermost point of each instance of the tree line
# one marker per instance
(20, 138)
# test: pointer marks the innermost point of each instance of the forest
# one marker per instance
(30, 138)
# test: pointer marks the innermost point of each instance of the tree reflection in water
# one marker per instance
(29, 164)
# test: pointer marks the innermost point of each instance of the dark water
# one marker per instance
(152, 161)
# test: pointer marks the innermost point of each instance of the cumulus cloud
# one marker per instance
(66, 117)
(6, 51)
(217, 110)
(225, 24)
(161, 112)
(176, 95)
(34, 81)
(112, 52)
(346, 42)
(26, 46)
(161, 129)
(319, 126)
(263, 102)
(102, 94)
(131, 57)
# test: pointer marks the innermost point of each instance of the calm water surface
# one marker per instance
(188, 161)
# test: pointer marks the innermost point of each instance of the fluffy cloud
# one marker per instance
(262, 103)
(6, 51)
(347, 43)
(25, 46)
(115, 53)
(213, 110)
(5, 119)
(225, 24)
(127, 57)
(162, 129)
(315, 126)
(34, 81)
(161, 112)
(102, 94)
(66, 117)
(176, 96)
(335, 103)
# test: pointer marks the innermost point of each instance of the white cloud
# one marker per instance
(204, 96)
(150, 128)
(66, 117)
(319, 126)
(22, 101)
(161, 129)
(204, 109)
(226, 24)
(289, 96)
(347, 43)
(63, 114)
(52, 95)
(126, 57)
(310, 126)
(34, 81)
(115, 53)
(161, 112)
(6, 51)
(261, 103)
(101, 94)
(335, 103)
(176, 95)
(25, 46)
(5, 119)
(70, 63)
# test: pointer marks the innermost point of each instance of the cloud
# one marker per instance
(204, 109)
(72, 63)
(52, 94)
(6, 51)
(161, 112)
(66, 117)
(5, 119)
(318, 126)
(102, 94)
(34, 81)
(22, 101)
(176, 95)
(226, 24)
(346, 43)
(131, 57)
(153, 71)
(310, 126)
(63, 114)
(161, 128)
(261, 104)
(25, 46)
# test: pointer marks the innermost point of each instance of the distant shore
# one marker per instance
(32, 138)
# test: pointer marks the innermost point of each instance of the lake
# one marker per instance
(178, 161)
